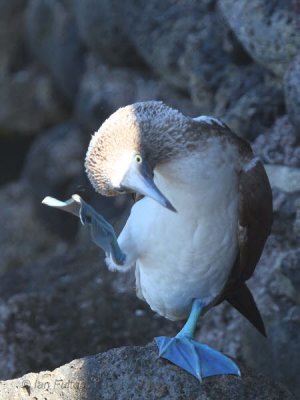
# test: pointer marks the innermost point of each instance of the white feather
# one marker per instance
(189, 254)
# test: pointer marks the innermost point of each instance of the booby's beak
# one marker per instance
(139, 179)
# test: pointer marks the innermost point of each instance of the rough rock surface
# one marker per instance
(59, 153)
(292, 92)
(267, 30)
(103, 90)
(297, 219)
(168, 36)
(136, 373)
(11, 167)
(53, 39)
(28, 101)
(11, 34)
(284, 178)
(279, 145)
(23, 238)
(255, 100)
(102, 32)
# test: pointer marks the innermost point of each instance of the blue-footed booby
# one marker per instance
(199, 227)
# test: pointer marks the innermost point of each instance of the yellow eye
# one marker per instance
(138, 158)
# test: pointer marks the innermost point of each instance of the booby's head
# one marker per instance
(124, 152)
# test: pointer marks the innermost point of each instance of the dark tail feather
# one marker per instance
(243, 301)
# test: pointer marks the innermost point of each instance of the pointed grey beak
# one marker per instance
(139, 179)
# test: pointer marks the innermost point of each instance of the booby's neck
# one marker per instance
(205, 180)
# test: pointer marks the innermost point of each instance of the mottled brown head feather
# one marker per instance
(155, 131)
(151, 129)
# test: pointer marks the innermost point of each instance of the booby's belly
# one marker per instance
(183, 255)
(189, 254)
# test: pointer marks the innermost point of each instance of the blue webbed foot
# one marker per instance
(102, 232)
(198, 359)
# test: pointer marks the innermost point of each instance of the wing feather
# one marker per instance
(255, 221)
(255, 218)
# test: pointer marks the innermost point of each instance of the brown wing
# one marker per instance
(255, 220)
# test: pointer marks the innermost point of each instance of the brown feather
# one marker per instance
(255, 220)
(243, 301)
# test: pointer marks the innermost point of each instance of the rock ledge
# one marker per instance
(136, 373)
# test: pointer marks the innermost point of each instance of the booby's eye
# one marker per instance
(138, 158)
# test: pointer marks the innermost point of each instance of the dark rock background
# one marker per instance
(65, 66)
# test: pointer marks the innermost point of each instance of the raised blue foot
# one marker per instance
(198, 359)
(102, 232)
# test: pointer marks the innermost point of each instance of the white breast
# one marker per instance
(189, 254)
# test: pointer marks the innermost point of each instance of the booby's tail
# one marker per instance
(243, 301)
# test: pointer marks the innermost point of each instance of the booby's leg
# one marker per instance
(102, 232)
(198, 359)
